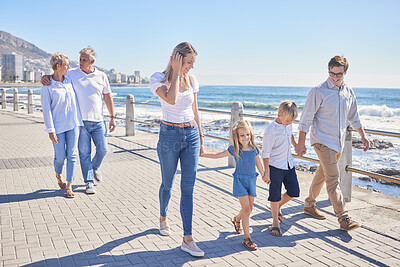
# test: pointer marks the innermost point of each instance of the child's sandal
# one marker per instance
(61, 183)
(236, 224)
(249, 244)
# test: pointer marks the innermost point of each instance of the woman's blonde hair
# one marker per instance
(184, 49)
(58, 59)
(237, 147)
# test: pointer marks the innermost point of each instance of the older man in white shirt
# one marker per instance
(329, 109)
(91, 86)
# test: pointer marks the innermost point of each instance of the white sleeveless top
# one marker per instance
(182, 110)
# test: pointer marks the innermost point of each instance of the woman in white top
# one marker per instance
(180, 137)
(62, 119)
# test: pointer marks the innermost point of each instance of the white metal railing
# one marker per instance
(237, 113)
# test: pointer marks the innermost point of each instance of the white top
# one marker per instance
(89, 89)
(277, 145)
(329, 110)
(182, 110)
(60, 108)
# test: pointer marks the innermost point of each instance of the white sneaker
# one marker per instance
(164, 228)
(97, 175)
(90, 188)
(192, 249)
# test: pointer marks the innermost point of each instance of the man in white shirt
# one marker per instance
(91, 86)
(329, 109)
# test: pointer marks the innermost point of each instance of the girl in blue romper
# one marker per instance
(246, 157)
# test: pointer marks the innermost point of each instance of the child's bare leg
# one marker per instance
(275, 211)
(245, 214)
(251, 203)
(275, 219)
(285, 198)
(239, 216)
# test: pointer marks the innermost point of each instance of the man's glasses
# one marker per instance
(339, 75)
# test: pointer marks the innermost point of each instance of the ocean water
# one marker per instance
(379, 109)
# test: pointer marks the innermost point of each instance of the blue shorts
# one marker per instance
(288, 178)
(243, 187)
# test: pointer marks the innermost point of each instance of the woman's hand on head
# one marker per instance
(176, 61)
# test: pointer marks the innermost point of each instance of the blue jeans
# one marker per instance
(97, 131)
(66, 148)
(176, 143)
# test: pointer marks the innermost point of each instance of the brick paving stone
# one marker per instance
(119, 224)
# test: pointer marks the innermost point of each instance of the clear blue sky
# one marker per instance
(239, 42)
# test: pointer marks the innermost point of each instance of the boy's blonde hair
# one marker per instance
(237, 147)
(288, 109)
(58, 59)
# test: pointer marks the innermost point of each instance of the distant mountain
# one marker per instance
(34, 57)
(9, 43)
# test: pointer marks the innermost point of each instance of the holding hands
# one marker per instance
(265, 177)
(300, 150)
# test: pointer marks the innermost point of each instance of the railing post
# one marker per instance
(16, 99)
(3, 98)
(236, 112)
(30, 101)
(346, 179)
(130, 115)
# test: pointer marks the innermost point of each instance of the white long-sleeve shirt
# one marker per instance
(60, 109)
(329, 110)
(277, 142)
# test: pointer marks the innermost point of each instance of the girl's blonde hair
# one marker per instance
(184, 49)
(237, 147)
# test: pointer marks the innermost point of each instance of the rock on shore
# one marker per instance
(374, 144)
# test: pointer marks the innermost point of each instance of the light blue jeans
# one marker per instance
(97, 131)
(176, 143)
(66, 148)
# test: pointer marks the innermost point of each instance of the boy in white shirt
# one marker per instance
(279, 163)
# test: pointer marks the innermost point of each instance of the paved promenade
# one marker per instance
(117, 226)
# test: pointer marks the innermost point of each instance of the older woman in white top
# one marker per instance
(62, 119)
(180, 137)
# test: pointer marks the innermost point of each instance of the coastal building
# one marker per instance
(131, 79)
(137, 76)
(113, 76)
(12, 69)
(29, 76)
(38, 75)
(124, 78)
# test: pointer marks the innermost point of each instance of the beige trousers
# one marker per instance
(328, 171)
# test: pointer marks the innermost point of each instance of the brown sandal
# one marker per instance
(70, 193)
(61, 184)
(249, 244)
(236, 224)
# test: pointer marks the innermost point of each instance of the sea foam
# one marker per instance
(378, 111)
